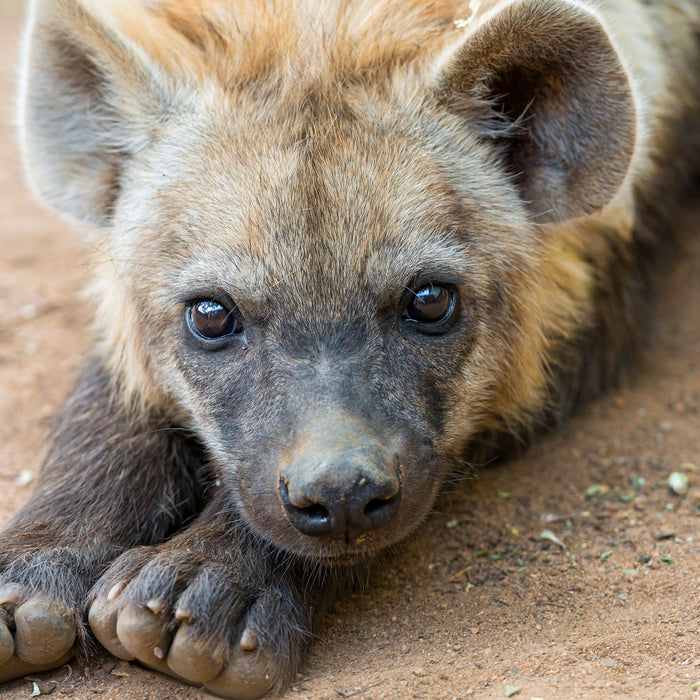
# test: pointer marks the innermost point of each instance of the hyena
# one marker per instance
(343, 246)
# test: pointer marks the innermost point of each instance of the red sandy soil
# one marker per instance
(480, 601)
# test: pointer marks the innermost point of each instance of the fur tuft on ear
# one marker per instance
(95, 89)
(544, 82)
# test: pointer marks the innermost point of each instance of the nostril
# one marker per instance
(378, 504)
(313, 519)
(324, 500)
(314, 512)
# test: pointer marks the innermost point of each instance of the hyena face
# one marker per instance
(332, 278)
(328, 311)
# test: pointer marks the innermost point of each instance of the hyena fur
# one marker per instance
(343, 246)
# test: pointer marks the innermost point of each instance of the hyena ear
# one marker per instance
(94, 91)
(542, 80)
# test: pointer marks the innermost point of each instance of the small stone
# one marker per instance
(108, 666)
(608, 662)
(418, 671)
(25, 477)
(41, 688)
(28, 312)
(119, 673)
(511, 690)
(622, 596)
(678, 483)
(549, 535)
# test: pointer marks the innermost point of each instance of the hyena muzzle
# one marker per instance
(343, 247)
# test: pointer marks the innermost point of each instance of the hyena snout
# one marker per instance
(341, 484)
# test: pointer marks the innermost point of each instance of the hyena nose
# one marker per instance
(341, 495)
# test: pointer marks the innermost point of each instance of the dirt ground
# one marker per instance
(572, 572)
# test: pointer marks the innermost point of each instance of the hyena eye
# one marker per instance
(430, 305)
(211, 320)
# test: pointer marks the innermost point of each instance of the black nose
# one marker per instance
(341, 494)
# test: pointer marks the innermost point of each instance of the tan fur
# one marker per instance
(237, 91)
(374, 55)
(342, 248)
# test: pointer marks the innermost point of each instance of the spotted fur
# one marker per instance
(313, 162)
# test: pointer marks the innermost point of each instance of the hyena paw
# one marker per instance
(36, 633)
(198, 620)
(40, 612)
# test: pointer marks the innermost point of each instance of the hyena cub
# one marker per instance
(344, 244)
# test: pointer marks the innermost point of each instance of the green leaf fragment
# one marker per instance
(596, 490)
(637, 482)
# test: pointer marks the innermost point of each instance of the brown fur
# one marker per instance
(316, 164)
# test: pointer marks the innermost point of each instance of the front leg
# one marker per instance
(214, 605)
(113, 479)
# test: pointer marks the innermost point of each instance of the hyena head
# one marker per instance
(323, 227)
